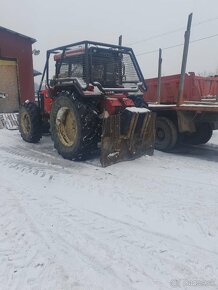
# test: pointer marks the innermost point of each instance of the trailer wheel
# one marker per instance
(74, 127)
(202, 135)
(166, 134)
(30, 122)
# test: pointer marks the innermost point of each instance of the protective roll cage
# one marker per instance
(110, 68)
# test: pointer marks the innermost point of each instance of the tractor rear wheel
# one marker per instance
(74, 127)
(202, 135)
(166, 134)
(30, 122)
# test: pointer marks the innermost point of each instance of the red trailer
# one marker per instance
(186, 105)
(189, 117)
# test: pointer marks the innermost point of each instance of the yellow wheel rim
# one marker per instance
(66, 126)
(25, 123)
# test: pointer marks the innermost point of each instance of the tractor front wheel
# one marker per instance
(30, 122)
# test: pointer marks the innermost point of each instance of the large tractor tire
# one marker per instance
(74, 127)
(166, 134)
(30, 122)
(45, 127)
(202, 135)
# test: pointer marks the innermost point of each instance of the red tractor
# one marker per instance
(93, 93)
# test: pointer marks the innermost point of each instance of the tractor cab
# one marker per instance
(97, 68)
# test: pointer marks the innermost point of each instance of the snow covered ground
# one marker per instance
(149, 224)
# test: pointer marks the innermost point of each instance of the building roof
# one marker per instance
(32, 40)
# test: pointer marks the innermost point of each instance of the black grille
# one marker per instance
(110, 66)
(130, 73)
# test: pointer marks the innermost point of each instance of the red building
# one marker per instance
(16, 69)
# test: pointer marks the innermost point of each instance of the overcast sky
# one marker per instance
(54, 23)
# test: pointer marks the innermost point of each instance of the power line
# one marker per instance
(156, 36)
(172, 31)
(156, 50)
(205, 21)
(177, 45)
(203, 38)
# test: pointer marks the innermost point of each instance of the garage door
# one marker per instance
(8, 86)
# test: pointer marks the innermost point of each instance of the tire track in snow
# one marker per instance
(71, 239)
(158, 234)
(38, 163)
(78, 238)
(31, 259)
(84, 232)
(25, 167)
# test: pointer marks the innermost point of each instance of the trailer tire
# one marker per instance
(166, 134)
(202, 135)
(74, 127)
(30, 122)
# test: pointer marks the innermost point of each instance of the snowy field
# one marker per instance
(147, 224)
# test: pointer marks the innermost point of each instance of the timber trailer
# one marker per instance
(186, 105)
(91, 93)
(190, 121)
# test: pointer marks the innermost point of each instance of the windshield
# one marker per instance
(71, 67)
(112, 68)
